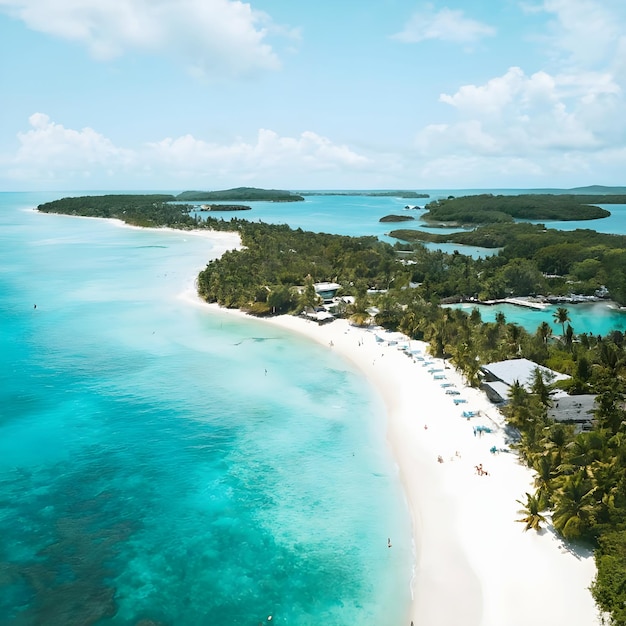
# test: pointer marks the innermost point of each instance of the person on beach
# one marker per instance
(388, 542)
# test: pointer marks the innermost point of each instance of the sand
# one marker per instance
(474, 564)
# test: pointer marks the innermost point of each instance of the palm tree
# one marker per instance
(540, 388)
(559, 435)
(544, 332)
(532, 512)
(573, 510)
(585, 449)
(308, 298)
(358, 312)
(545, 466)
(518, 396)
(561, 316)
(514, 336)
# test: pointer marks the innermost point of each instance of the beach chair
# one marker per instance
(453, 392)
(447, 385)
(439, 377)
(469, 413)
(459, 400)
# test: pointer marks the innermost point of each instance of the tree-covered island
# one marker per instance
(397, 218)
(580, 477)
(489, 209)
(240, 194)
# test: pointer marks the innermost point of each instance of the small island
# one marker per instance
(240, 193)
(225, 207)
(397, 218)
(490, 209)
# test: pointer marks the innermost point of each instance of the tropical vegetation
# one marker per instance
(488, 208)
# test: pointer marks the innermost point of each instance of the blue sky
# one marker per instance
(211, 94)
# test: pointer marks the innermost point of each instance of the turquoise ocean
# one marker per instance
(161, 463)
(151, 470)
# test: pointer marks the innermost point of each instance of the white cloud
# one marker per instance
(516, 114)
(445, 25)
(50, 152)
(466, 153)
(270, 153)
(208, 36)
(53, 147)
(585, 33)
(562, 123)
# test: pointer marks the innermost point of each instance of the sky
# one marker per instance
(343, 94)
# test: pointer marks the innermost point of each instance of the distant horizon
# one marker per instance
(621, 188)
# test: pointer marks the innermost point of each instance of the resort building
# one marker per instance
(326, 291)
(577, 410)
(499, 376)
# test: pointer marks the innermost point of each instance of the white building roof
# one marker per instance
(326, 287)
(499, 389)
(573, 408)
(520, 370)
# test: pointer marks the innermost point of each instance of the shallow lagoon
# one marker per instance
(151, 469)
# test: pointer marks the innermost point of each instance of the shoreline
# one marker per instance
(473, 563)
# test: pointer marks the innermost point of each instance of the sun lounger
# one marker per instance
(447, 385)
(453, 392)
(469, 413)
(459, 400)
(439, 377)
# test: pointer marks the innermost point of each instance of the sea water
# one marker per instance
(594, 318)
(166, 463)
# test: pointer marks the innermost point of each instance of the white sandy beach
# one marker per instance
(474, 564)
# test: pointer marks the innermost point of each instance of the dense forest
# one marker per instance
(550, 260)
(240, 193)
(489, 209)
(580, 477)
